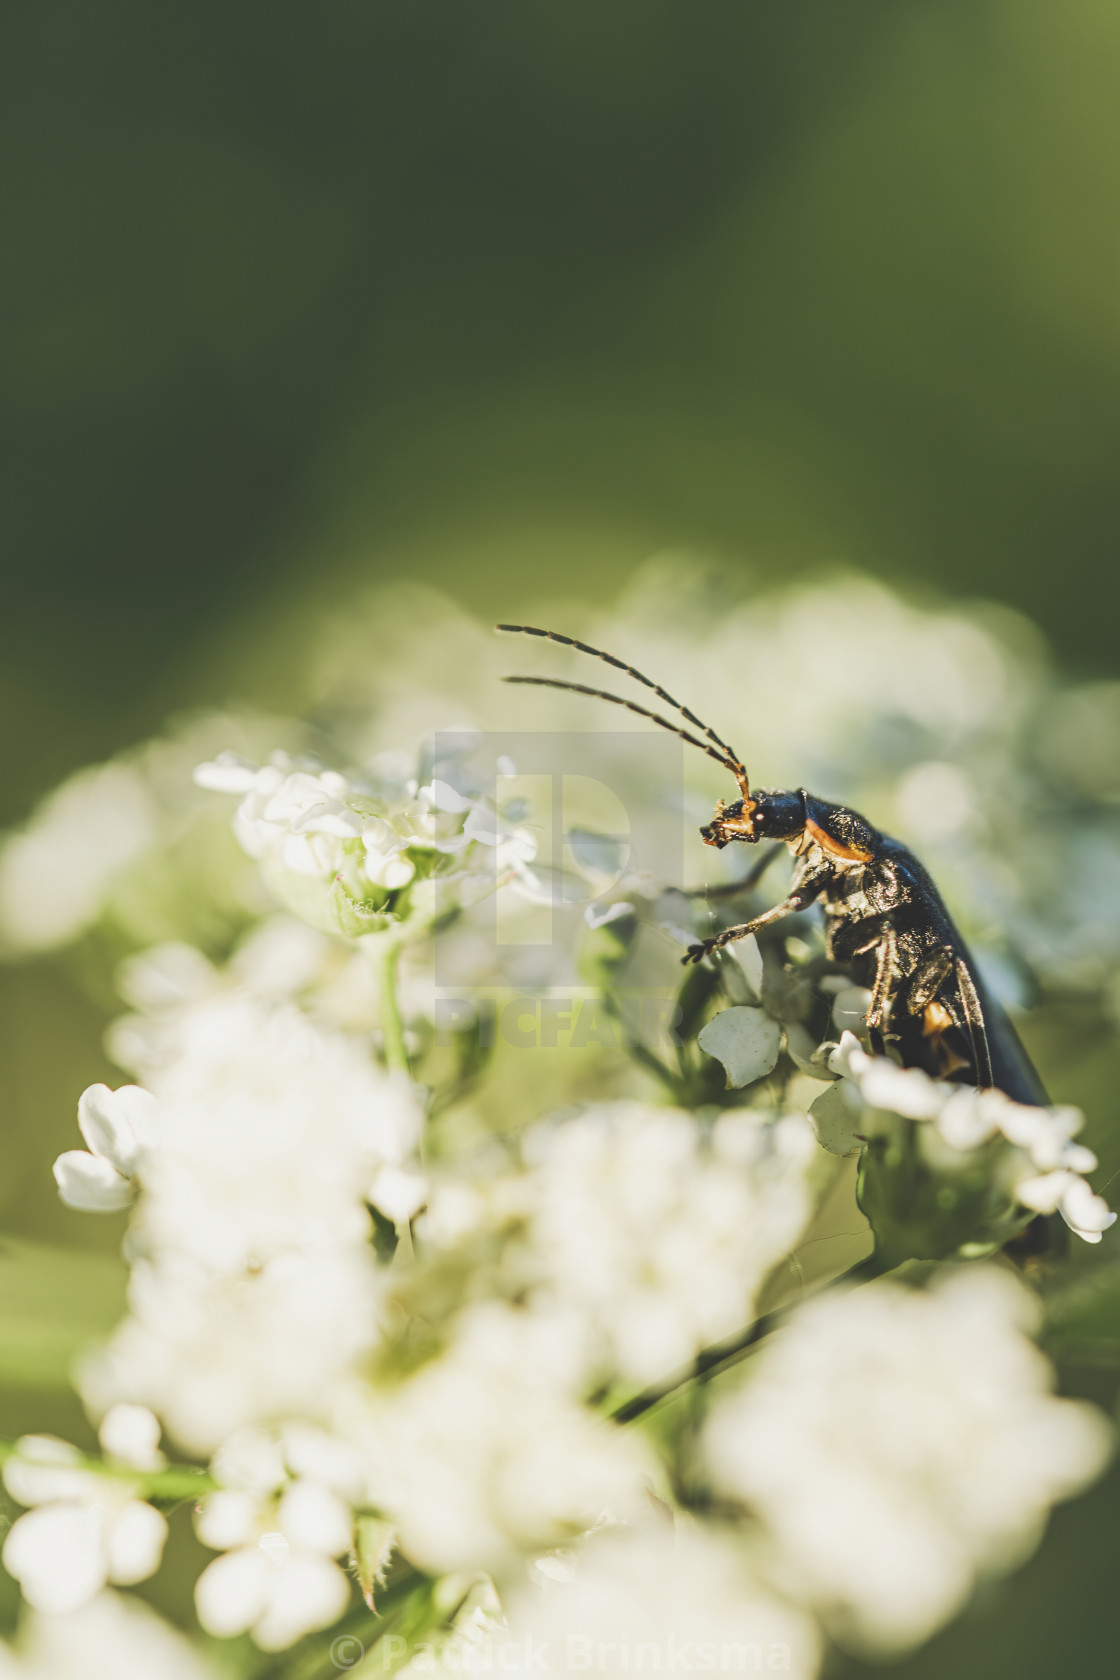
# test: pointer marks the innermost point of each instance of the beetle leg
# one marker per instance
(927, 981)
(885, 974)
(799, 899)
(729, 889)
(974, 1020)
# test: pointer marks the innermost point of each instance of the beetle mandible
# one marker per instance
(886, 922)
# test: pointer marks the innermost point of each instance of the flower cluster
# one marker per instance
(342, 850)
(84, 1526)
(1043, 1165)
(406, 1299)
(658, 1236)
(896, 1442)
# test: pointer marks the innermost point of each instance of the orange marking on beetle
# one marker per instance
(935, 1019)
(835, 848)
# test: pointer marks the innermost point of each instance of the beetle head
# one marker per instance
(730, 822)
(761, 816)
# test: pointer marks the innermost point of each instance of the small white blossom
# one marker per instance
(118, 1126)
(1049, 1180)
(658, 1236)
(84, 1529)
(898, 1443)
(130, 1435)
(271, 1132)
(276, 1577)
(651, 1600)
(1063, 1192)
(210, 1352)
(486, 1453)
(114, 1637)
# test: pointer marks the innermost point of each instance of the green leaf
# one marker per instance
(356, 916)
(745, 1040)
(374, 1542)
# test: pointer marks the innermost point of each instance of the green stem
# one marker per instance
(715, 1359)
(392, 1027)
(168, 1485)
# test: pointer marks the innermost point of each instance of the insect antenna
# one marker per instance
(730, 761)
(632, 706)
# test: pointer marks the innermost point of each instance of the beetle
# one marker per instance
(886, 922)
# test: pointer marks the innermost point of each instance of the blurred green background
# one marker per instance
(510, 295)
(506, 297)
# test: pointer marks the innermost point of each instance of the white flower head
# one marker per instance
(486, 1455)
(118, 1126)
(644, 1599)
(84, 1528)
(897, 1443)
(113, 1637)
(657, 1236)
(278, 1536)
(1048, 1179)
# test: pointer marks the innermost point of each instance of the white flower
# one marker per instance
(130, 1435)
(486, 1454)
(384, 866)
(114, 1637)
(118, 1126)
(294, 811)
(85, 1529)
(254, 1284)
(654, 1601)
(277, 1576)
(210, 1352)
(227, 773)
(898, 1443)
(966, 1117)
(270, 1135)
(398, 1193)
(657, 1236)
(1063, 1192)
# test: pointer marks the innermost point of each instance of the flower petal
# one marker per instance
(1045, 1193)
(90, 1183)
(398, 1193)
(1085, 1212)
(312, 1516)
(226, 1519)
(44, 1468)
(232, 1592)
(116, 1123)
(57, 1555)
(130, 1434)
(134, 1542)
(307, 1592)
(906, 1091)
(226, 774)
(443, 797)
